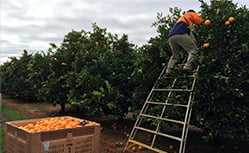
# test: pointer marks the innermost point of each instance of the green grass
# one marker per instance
(12, 116)
(2, 138)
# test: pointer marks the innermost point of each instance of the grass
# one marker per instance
(12, 116)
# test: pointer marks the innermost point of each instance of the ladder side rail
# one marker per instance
(151, 91)
(139, 119)
(187, 118)
(186, 131)
(163, 110)
(149, 97)
(144, 108)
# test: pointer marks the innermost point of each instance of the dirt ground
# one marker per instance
(110, 137)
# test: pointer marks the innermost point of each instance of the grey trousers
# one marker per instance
(177, 43)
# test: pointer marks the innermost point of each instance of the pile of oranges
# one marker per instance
(56, 123)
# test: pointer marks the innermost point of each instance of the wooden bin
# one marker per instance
(84, 139)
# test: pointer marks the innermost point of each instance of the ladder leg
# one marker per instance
(187, 119)
(144, 109)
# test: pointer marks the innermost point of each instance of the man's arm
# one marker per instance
(196, 18)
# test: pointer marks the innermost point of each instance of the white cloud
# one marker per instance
(33, 24)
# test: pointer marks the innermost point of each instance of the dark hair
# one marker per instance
(190, 10)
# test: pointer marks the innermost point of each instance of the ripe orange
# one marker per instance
(231, 19)
(134, 149)
(227, 22)
(97, 43)
(140, 147)
(207, 22)
(171, 147)
(206, 45)
(54, 124)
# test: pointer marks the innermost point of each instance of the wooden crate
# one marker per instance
(84, 139)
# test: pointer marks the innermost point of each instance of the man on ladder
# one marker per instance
(160, 95)
(181, 37)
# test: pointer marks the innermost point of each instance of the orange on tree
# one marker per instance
(207, 22)
(231, 19)
(206, 45)
(227, 22)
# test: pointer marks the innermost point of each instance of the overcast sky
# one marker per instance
(33, 24)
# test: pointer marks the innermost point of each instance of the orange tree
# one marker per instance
(38, 70)
(91, 70)
(14, 76)
(221, 100)
(222, 97)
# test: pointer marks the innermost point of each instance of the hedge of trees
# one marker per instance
(103, 73)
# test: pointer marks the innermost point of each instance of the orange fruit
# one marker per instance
(227, 22)
(53, 124)
(140, 147)
(134, 149)
(231, 19)
(97, 44)
(206, 45)
(171, 147)
(207, 22)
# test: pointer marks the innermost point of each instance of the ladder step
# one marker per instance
(184, 76)
(159, 133)
(146, 146)
(180, 90)
(163, 103)
(160, 118)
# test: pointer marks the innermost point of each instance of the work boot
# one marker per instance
(187, 71)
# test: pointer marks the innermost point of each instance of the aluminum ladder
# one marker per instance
(178, 84)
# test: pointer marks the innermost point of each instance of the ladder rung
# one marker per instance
(186, 90)
(181, 76)
(169, 104)
(146, 146)
(159, 133)
(160, 118)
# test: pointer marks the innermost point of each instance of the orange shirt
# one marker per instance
(191, 17)
(181, 26)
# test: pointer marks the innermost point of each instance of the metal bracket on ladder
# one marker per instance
(169, 93)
